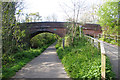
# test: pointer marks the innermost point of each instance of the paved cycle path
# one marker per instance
(112, 51)
(46, 65)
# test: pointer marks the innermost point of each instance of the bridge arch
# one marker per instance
(34, 28)
(38, 32)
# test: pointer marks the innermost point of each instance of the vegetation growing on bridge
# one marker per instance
(82, 60)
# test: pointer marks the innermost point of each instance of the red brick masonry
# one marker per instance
(92, 29)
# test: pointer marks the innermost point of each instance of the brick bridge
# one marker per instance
(92, 29)
(34, 28)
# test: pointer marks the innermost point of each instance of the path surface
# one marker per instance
(112, 53)
(47, 65)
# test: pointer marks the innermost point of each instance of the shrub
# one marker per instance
(82, 60)
(42, 39)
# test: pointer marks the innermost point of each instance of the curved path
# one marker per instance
(47, 65)
(112, 51)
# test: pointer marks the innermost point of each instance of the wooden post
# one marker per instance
(94, 35)
(93, 42)
(99, 36)
(116, 38)
(99, 45)
(90, 41)
(0, 39)
(109, 37)
(103, 64)
(103, 61)
(80, 30)
(63, 43)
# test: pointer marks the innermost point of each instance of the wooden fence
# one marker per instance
(101, 48)
(107, 36)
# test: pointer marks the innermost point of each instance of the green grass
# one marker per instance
(19, 60)
(111, 41)
(82, 60)
(13, 62)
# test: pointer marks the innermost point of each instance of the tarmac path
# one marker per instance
(112, 51)
(46, 65)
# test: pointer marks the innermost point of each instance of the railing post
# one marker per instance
(93, 42)
(99, 45)
(99, 36)
(103, 64)
(109, 36)
(116, 38)
(90, 40)
(94, 35)
(0, 39)
(63, 42)
(103, 61)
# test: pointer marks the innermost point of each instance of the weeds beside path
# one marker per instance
(47, 65)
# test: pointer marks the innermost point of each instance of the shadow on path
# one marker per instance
(46, 65)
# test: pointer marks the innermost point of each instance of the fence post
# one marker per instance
(90, 40)
(99, 36)
(109, 36)
(93, 42)
(103, 61)
(63, 43)
(99, 46)
(116, 38)
(94, 35)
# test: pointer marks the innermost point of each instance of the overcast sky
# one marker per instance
(50, 7)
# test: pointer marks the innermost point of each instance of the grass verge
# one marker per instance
(82, 60)
(20, 59)
(111, 41)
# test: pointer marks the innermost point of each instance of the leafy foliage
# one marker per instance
(16, 61)
(42, 39)
(108, 17)
(12, 35)
(14, 54)
(82, 60)
(111, 41)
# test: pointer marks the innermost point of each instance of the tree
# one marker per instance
(33, 17)
(75, 9)
(108, 17)
(12, 35)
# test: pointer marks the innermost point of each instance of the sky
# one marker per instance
(50, 7)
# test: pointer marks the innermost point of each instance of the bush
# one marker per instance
(42, 39)
(111, 41)
(12, 63)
